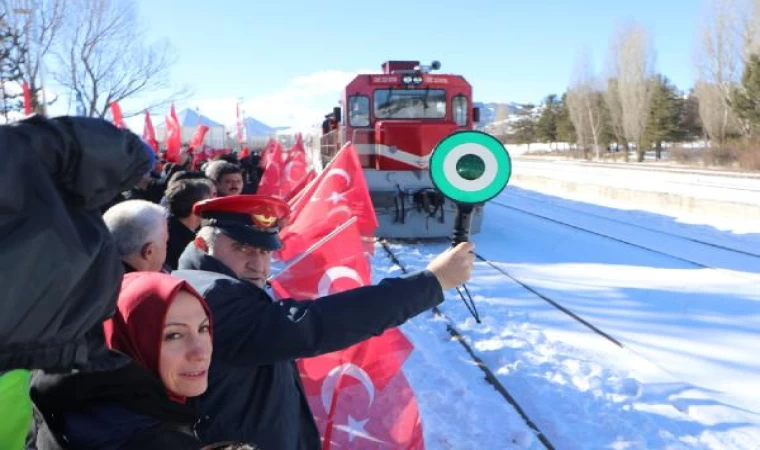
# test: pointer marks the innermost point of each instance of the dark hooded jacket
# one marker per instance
(255, 392)
(123, 409)
(129, 407)
(59, 268)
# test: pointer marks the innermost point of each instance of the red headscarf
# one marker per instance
(137, 327)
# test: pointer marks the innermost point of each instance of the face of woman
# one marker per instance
(186, 347)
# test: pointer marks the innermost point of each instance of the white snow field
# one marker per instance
(686, 313)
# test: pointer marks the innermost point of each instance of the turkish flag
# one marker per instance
(358, 395)
(295, 169)
(298, 189)
(295, 200)
(118, 119)
(339, 192)
(149, 133)
(266, 154)
(173, 137)
(344, 164)
(308, 277)
(27, 98)
(271, 180)
(196, 142)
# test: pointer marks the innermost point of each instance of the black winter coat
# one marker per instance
(60, 272)
(255, 392)
(179, 237)
(120, 409)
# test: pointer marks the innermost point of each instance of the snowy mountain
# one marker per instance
(502, 116)
(490, 112)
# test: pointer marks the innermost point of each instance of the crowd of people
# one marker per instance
(135, 311)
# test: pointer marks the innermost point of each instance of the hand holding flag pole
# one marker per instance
(469, 168)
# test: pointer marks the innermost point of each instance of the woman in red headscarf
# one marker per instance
(164, 326)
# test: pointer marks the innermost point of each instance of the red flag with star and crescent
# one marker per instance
(337, 194)
(271, 180)
(266, 154)
(295, 168)
(359, 396)
(296, 191)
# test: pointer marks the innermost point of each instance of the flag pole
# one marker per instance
(327, 167)
(314, 246)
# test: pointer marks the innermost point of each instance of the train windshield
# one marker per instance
(410, 103)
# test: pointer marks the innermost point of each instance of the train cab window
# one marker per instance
(358, 111)
(459, 110)
(410, 103)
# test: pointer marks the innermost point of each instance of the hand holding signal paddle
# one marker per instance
(469, 168)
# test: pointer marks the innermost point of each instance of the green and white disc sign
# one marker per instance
(470, 167)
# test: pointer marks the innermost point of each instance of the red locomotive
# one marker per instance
(395, 119)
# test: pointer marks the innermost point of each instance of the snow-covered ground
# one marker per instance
(703, 184)
(687, 376)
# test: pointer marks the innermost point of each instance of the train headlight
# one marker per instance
(407, 79)
(417, 79)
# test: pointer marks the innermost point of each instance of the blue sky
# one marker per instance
(289, 58)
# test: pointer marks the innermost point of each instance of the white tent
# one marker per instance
(189, 121)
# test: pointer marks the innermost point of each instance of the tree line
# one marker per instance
(95, 48)
(629, 106)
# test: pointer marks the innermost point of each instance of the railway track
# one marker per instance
(490, 375)
(562, 164)
(692, 262)
(487, 372)
(639, 226)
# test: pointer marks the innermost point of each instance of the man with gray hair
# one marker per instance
(139, 230)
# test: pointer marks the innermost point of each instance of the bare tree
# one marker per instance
(578, 118)
(718, 119)
(39, 22)
(612, 97)
(500, 125)
(749, 13)
(615, 110)
(102, 55)
(634, 67)
(584, 103)
(12, 51)
(728, 33)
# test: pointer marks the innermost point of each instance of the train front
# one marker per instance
(395, 120)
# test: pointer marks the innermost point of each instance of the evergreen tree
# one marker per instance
(689, 123)
(745, 100)
(565, 128)
(664, 114)
(547, 124)
(525, 127)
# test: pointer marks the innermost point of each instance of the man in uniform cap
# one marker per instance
(255, 393)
